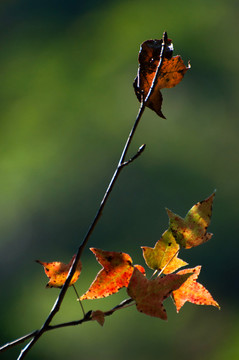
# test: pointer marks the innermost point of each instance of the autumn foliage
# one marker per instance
(158, 69)
(162, 279)
(118, 270)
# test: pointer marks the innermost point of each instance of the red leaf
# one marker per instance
(150, 294)
(170, 74)
(192, 291)
(58, 271)
(116, 273)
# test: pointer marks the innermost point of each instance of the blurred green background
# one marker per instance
(67, 105)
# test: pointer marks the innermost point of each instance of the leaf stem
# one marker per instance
(78, 299)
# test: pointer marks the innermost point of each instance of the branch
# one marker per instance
(122, 305)
(61, 296)
(121, 164)
(86, 318)
(139, 152)
(160, 63)
(18, 341)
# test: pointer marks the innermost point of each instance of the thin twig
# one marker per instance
(139, 152)
(124, 304)
(121, 164)
(18, 341)
(160, 63)
(78, 299)
(61, 296)
(87, 317)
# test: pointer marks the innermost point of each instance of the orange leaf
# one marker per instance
(99, 316)
(170, 73)
(164, 254)
(58, 271)
(192, 291)
(192, 230)
(116, 273)
(150, 294)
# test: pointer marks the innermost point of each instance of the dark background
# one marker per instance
(67, 105)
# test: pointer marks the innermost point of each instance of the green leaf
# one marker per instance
(164, 255)
(192, 230)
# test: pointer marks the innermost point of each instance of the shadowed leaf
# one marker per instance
(150, 294)
(170, 74)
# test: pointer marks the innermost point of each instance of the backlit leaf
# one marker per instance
(170, 74)
(116, 273)
(192, 230)
(150, 294)
(58, 271)
(192, 291)
(164, 254)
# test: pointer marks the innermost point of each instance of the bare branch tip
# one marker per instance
(141, 148)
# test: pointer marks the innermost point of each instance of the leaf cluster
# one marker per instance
(148, 295)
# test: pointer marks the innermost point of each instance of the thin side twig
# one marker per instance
(87, 317)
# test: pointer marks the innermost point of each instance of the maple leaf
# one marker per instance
(58, 271)
(192, 291)
(164, 254)
(116, 273)
(192, 231)
(170, 73)
(150, 294)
